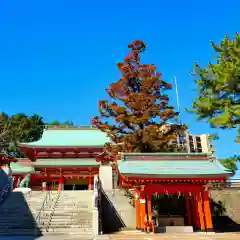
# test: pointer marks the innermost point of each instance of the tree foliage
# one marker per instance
(19, 128)
(139, 110)
(67, 123)
(230, 163)
(218, 86)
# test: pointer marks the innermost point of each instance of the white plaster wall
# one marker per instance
(105, 175)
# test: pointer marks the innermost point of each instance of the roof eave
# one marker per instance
(176, 176)
(49, 146)
(61, 166)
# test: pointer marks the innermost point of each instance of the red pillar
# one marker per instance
(60, 183)
(138, 210)
(200, 211)
(90, 182)
(207, 211)
(143, 212)
(188, 209)
(195, 221)
(149, 208)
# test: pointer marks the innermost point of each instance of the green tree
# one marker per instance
(19, 128)
(139, 111)
(67, 123)
(230, 163)
(54, 123)
(218, 86)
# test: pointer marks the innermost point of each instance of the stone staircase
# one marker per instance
(126, 211)
(18, 213)
(71, 216)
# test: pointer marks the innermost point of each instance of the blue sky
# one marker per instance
(57, 57)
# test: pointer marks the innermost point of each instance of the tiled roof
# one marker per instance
(67, 162)
(70, 137)
(164, 168)
(19, 168)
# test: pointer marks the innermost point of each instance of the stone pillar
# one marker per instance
(95, 223)
(44, 186)
(105, 175)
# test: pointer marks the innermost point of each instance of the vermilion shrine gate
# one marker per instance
(162, 173)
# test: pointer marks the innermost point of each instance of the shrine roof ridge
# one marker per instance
(162, 154)
(62, 137)
(165, 156)
(56, 127)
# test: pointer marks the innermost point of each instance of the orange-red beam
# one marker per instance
(140, 179)
(170, 188)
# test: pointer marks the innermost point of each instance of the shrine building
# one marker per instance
(63, 156)
(185, 174)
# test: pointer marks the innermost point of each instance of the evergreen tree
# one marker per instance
(137, 116)
(230, 162)
(218, 87)
(19, 128)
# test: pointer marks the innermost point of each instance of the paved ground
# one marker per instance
(189, 236)
(142, 236)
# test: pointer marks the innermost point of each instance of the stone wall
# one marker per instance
(225, 206)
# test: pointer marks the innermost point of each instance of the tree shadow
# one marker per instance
(221, 221)
(16, 218)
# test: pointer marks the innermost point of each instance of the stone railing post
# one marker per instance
(95, 214)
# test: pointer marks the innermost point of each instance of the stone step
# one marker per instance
(71, 214)
(66, 226)
(71, 219)
(87, 204)
(71, 230)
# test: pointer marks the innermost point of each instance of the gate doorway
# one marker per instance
(72, 185)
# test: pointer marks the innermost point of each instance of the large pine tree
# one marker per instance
(137, 116)
(218, 86)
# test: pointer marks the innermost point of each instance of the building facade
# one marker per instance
(199, 143)
(194, 143)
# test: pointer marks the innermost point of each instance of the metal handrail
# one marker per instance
(52, 212)
(45, 202)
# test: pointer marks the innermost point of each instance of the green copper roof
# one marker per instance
(172, 167)
(18, 168)
(130, 154)
(71, 137)
(67, 162)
